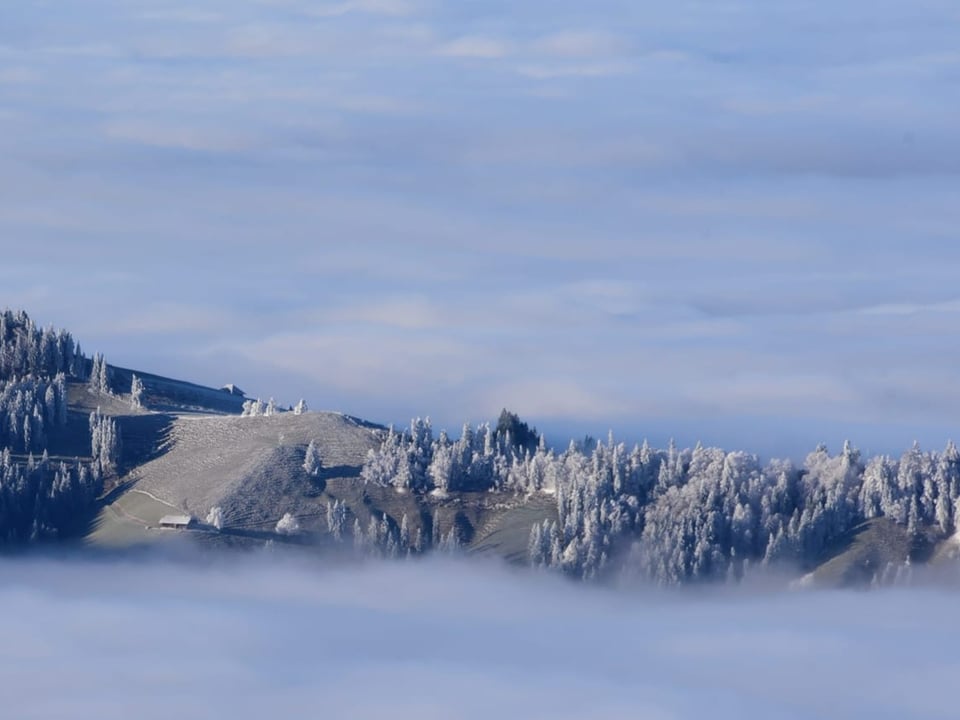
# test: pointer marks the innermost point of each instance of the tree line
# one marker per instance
(38, 497)
(673, 515)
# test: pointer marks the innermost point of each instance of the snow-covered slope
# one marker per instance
(250, 467)
(249, 464)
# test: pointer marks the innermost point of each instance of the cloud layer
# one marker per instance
(679, 221)
(245, 638)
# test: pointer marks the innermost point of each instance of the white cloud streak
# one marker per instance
(473, 46)
(541, 71)
(390, 8)
(580, 43)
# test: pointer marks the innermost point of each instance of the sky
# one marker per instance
(254, 637)
(728, 221)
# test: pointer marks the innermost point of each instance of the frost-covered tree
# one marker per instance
(215, 517)
(29, 407)
(40, 498)
(313, 460)
(136, 393)
(404, 539)
(43, 499)
(674, 515)
(336, 518)
(104, 441)
(359, 538)
(300, 408)
(26, 350)
(104, 382)
(287, 525)
(254, 408)
(94, 380)
(99, 382)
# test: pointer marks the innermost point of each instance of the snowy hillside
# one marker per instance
(250, 467)
(121, 457)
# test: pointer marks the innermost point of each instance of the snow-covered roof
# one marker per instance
(176, 520)
(233, 390)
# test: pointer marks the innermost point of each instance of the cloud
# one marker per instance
(84, 50)
(18, 75)
(272, 40)
(474, 46)
(392, 8)
(580, 43)
(171, 318)
(368, 362)
(179, 137)
(949, 306)
(540, 71)
(442, 639)
(182, 15)
(399, 312)
(558, 398)
(402, 206)
(577, 54)
(376, 104)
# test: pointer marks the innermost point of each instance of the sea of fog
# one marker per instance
(276, 637)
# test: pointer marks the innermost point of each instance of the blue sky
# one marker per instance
(728, 221)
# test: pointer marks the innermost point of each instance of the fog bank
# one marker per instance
(272, 637)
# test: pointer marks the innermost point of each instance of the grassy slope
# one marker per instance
(251, 467)
(867, 550)
(191, 451)
(506, 532)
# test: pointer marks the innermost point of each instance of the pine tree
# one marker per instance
(287, 525)
(99, 381)
(404, 533)
(104, 381)
(60, 383)
(136, 393)
(313, 460)
(336, 518)
(50, 404)
(535, 546)
(215, 517)
(94, 379)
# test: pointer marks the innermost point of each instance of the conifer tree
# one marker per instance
(313, 460)
(136, 393)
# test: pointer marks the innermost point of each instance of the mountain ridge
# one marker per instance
(134, 447)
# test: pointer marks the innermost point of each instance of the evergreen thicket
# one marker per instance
(39, 497)
(674, 515)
